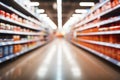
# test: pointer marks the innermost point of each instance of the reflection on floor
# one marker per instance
(58, 60)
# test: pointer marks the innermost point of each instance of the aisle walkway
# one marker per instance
(58, 60)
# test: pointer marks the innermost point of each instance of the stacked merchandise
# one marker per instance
(99, 31)
(19, 33)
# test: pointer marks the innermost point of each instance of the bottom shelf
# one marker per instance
(98, 54)
(20, 53)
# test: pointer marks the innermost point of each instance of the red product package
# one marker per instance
(2, 13)
(12, 16)
(114, 3)
(20, 20)
(16, 18)
(7, 15)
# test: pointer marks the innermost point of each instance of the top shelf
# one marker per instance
(23, 9)
(18, 8)
(95, 8)
(113, 11)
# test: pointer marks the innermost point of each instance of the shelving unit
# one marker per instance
(18, 54)
(101, 43)
(95, 8)
(17, 23)
(98, 32)
(99, 54)
(25, 9)
(112, 20)
(20, 30)
(11, 9)
(17, 42)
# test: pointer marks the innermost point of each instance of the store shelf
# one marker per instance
(17, 42)
(100, 33)
(30, 29)
(18, 54)
(99, 54)
(28, 12)
(18, 23)
(105, 13)
(18, 13)
(101, 43)
(112, 20)
(95, 8)
(19, 33)
(109, 11)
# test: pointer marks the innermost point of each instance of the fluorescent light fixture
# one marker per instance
(59, 14)
(86, 3)
(33, 3)
(45, 15)
(55, 6)
(40, 11)
(81, 10)
(78, 15)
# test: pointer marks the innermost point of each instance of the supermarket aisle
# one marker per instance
(58, 60)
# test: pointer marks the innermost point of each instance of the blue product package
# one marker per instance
(6, 51)
(11, 49)
(1, 51)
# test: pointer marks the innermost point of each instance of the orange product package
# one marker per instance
(118, 54)
(114, 53)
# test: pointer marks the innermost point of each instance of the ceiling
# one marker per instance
(68, 8)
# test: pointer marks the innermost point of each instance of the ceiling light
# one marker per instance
(40, 11)
(81, 10)
(86, 3)
(78, 15)
(55, 6)
(45, 15)
(34, 4)
(59, 14)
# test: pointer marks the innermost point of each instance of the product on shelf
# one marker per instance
(13, 25)
(2, 13)
(90, 32)
(16, 18)
(12, 16)
(114, 3)
(6, 50)
(1, 51)
(16, 37)
(2, 26)
(7, 15)
(118, 54)
(10, 49)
